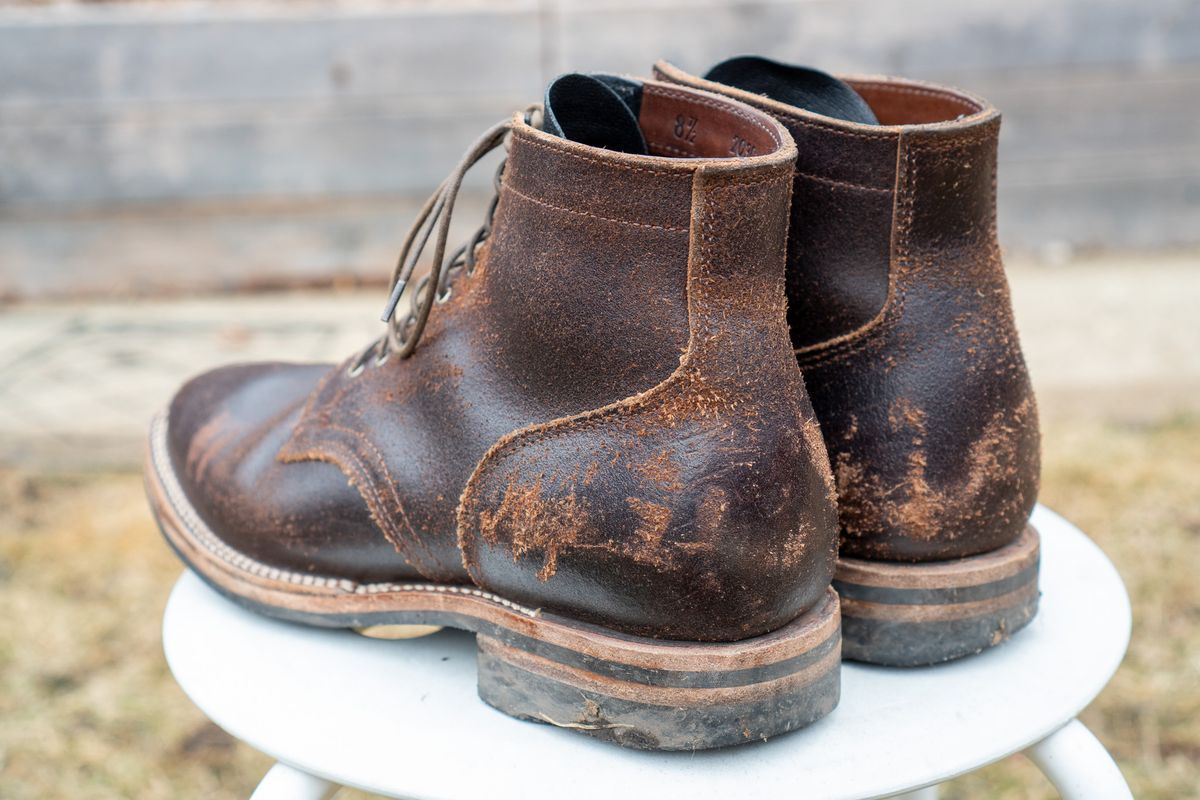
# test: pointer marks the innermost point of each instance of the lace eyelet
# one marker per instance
(356, 370)
(382, 359)
(434, 220)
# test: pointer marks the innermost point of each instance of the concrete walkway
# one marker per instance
(78, 383)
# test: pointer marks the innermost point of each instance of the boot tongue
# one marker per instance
(596, 110)
(803, 87)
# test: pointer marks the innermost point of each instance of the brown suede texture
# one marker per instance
(610, 395)
(901, 318)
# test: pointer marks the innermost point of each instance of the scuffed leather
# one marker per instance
(602, 272)
(576, 303)
(701, 509)
(902, 321)
(225, 429)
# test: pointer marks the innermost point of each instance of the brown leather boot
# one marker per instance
(901, 320)
(589, 435)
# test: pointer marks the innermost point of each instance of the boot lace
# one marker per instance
(403, 334)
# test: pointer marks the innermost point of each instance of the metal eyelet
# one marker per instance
(442, 299)
(401, 339)
(357, 369)
(382, 359)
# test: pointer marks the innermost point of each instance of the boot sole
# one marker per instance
(638, 692)
(909, 615)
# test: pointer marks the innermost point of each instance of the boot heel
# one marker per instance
(652, 694)
(907, 615)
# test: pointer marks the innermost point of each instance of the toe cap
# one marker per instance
(224, 431)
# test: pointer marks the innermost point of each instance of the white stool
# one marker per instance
(402, 719)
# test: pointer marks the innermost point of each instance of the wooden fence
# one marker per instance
(169, 146)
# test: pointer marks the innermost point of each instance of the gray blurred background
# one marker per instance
(154, 147)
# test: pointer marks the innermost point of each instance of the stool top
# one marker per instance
(402, 718)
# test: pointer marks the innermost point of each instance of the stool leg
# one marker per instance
(1078, 765)
(287, 783)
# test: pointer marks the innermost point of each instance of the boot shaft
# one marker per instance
(902, 322)
(922, 180)
(586, 276)
(714, 476)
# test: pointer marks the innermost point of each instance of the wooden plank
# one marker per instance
(147, 102)
(171, 52)
(913, 37)
(1115, 214)
(203, 151)
(145, 146)
(1091, 111)
(226, 246)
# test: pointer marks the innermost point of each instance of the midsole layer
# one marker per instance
(906, 614)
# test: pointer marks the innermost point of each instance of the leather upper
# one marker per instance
(902, 323)
(706, 496)
(601, 419)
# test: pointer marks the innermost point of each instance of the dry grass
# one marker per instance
(88, 709)
(1134, 485)
(87, 706)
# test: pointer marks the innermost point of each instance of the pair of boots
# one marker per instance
(723, 350)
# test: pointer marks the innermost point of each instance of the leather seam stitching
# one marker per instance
(212, 544)
(398, 504)
(843, 184)
(544, 204)
(953, 97)
(719, 183)
(881, 135)
(352, 465)
(777, 109)
(515, 442)
(716, 106)
(669, 148)
(246, 564)
(821, 354)
(634, 402)
(613, 164)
